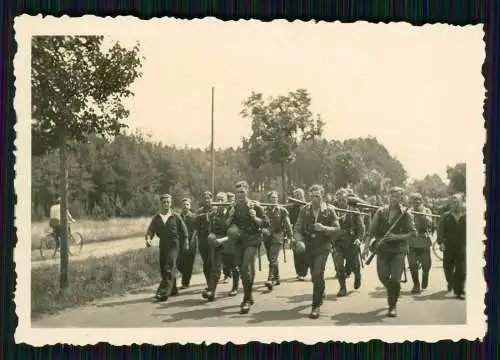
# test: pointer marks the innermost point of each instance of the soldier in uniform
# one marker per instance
(391, 253)
(452, 236)
(220, 252)
(172, 231)
(315, 227)
(246, 218)
(347, 245)
(226, 268)
(420, 245)
(202, 231)
(279, 224)
(186, 258)
(299, 258)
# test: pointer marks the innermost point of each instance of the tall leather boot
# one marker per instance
(343, 287)
(425, 279)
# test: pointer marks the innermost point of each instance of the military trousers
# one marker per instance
(169, 251)
(272, 253)
(420, 255)
(246, 255)
(390, 266)
(220, 257)
(206, 257)
(300, 263)
(317, 263)
(346, 260)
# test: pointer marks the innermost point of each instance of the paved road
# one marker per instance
(287, 305)
(95, 249)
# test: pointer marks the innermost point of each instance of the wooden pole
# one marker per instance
(212, 165)
(64, 209)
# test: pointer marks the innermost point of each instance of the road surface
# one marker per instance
(95, 249)
(287, 305)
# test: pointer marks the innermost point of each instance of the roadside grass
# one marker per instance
(95, 278)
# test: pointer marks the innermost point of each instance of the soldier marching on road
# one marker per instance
(186, 258)
(279, 224)
(201, 234)
(315, 227)
(391, 246)
(246, 220)
(220, 253)
(347, 245)
(299, 258)
(420, 245)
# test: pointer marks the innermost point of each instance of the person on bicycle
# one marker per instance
(55, 221)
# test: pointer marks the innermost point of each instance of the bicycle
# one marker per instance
(48, 242)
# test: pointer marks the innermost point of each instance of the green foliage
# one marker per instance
(457, 176)
(278, 125)
(431, 186)
(78, 86)
(93, 279)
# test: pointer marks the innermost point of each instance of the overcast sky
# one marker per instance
(418, 90)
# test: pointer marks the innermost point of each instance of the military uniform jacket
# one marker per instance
(352, 228)
(171, 232)
(202, 224)
(316, 242)
(279, 223)
(380, 225)
(423, 225)
(250, 232)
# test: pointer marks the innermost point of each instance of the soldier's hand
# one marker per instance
(442, 247)
(148, 241)
(357, 242)
(186, 245)
(373, 242)
(253, 213)
(318, 227)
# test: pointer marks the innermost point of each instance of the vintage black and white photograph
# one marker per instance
(202, 180)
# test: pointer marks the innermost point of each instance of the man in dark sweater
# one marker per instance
(452, 234)
(172, 232)
(249, 218)
(393, 246)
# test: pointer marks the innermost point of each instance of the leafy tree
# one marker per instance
(77, 90)
(430, 185)
(457, 176)
(278, 125)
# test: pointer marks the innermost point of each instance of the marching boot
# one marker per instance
(357, 280)
(234, 289)
(416, 282)
(343, 288)
(425, 280)
(314, 313)
(269, 282)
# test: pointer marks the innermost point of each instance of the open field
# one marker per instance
(93, 230)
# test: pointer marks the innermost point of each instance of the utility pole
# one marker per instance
(212, 165)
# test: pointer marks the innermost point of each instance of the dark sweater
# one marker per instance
(170, 232)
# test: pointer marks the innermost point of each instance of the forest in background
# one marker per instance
(122, 176)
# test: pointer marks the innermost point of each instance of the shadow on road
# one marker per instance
(127, 302)
(440, 295)
(276, 315)
(350, 318)
(201, 314)
(382, 294)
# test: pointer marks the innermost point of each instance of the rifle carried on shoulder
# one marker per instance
(381, 241)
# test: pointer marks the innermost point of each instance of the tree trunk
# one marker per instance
(64, 210)
(283, 182)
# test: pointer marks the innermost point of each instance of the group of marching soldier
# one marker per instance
(228, 233)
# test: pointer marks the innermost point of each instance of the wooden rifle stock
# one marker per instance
(297, 201)
(356, 202)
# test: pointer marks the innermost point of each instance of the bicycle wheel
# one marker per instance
(47, 243)
(76, 243)
(437, 251)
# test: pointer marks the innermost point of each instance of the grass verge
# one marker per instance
(94, 278)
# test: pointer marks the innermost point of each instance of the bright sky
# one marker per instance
(419, 90)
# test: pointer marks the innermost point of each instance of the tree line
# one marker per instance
(122, 176)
